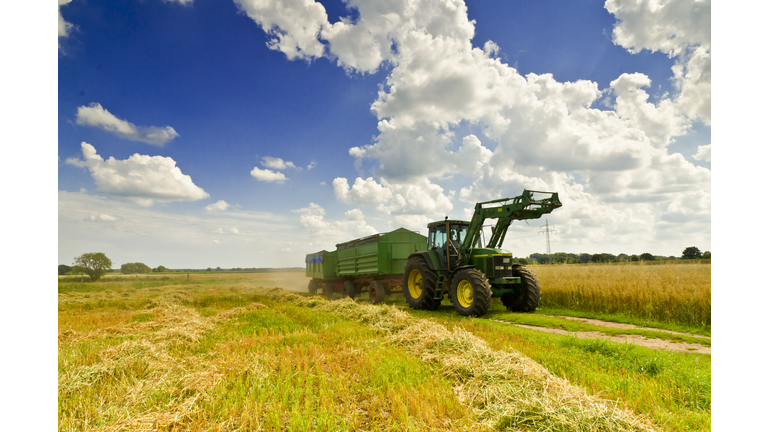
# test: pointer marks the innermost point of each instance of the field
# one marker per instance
(231, 352)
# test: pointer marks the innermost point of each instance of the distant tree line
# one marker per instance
(583, 258)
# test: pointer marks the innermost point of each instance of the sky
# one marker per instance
(201, 133)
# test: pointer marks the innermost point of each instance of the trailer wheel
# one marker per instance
(314, 285)
(420, 285)
(530, 292)
(376, 292)
(471, 292)
(348, 290)
(328, 290)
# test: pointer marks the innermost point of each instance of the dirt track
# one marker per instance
(635, 339)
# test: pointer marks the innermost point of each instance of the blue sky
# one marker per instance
(246, 135)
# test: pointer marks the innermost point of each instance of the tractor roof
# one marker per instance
(450, 221)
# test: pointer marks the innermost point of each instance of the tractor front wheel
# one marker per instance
(471, 292)
(420, 285)
(376, 292)
(529, 294)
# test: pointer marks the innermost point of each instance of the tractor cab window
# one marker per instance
(459, 232)
(437, 237)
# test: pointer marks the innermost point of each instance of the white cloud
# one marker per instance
(142, 178)
(277, 163)
(95, 115)
(704, 153)
(312, 218)
(362, 192)
(234, 230)
(419, 196)
(218, 231)
(100, 218)
(293, 25)
(529, 131)
(219, 205)
(660, 122)
(681, 29)
(216, 241)
(268, 175)
(311, 165)
(64, 26)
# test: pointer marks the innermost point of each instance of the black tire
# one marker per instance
(530, 292)
(376, 292)
(328, 290)
(348, 290)
(471, 292)
(314, 285)
(420, 285)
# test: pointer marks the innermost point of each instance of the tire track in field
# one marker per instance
(654, 343)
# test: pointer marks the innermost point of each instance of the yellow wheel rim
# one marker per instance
(465, 294)
(414, 283)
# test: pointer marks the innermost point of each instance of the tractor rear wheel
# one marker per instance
(529, 295)
(420, 285)
(348, 290)
(376, 292)
(328, 290)
(313, 286)
(471, 292)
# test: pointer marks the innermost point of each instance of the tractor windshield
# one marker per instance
(459, 232)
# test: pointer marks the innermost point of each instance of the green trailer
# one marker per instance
(373, 264)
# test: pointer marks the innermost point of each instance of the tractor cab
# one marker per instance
(445, 238)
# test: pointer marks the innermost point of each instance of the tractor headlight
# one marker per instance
(499, 267)
(505, 260)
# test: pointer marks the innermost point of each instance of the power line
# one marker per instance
(547, 231)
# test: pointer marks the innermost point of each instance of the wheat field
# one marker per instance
(666, 292)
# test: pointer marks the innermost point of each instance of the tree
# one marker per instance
(706, 255)
(137, 267)
(691, 252)
(94, 264)
(161, 269)
(647, 257)
(64, 269)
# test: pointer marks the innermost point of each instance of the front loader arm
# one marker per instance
(520, 207)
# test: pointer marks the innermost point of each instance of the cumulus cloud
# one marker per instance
(218, 231)
(220, 205)
(682, 29)
(293, 25)
(141, 178)
(64, 26)
(354, 225)
(417, 197)
(704, 153)
(234, 230)
(532, 131)
(311, 165)
(100, 218)
(96, 116)
(268, 175)
(277, 163)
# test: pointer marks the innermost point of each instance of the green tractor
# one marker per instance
(457, 264)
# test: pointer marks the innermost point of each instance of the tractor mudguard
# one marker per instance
(430, 257)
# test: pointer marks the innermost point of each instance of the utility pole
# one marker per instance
(546, 231)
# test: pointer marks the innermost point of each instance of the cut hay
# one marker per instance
(506, 389)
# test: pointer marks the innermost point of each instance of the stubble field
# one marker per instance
(231, 352)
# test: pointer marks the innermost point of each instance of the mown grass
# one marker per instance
(674, 389)
(202, 356)
(156, 362)
(666, 292)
